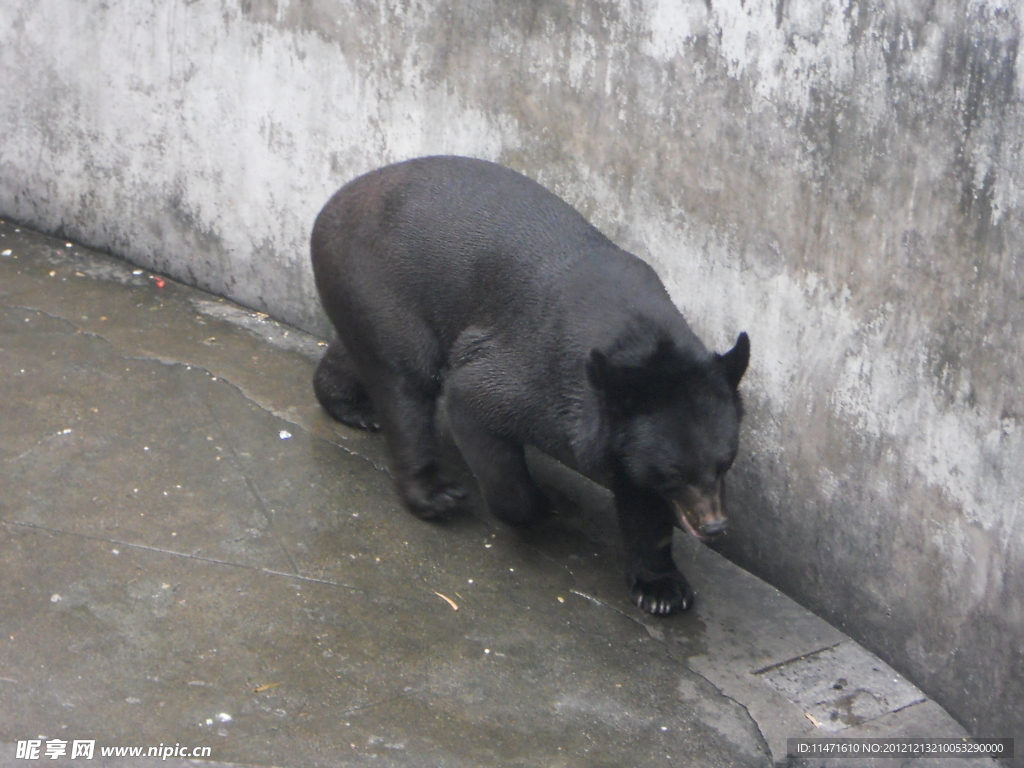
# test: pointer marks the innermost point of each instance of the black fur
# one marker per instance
(452, 276)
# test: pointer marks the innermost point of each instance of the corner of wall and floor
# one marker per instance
(840, 179)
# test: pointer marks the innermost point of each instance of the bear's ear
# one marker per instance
(619, 386)
(624, 386)
(734, 362)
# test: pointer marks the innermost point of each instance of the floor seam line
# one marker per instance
(777, 664)
(186, 555)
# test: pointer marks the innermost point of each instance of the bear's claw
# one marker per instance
(663, 595)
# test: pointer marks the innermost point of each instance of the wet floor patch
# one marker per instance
(842, 686)
(190, 556)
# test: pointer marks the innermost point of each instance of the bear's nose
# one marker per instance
(715, 527)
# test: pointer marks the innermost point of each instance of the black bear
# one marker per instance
(454, 277)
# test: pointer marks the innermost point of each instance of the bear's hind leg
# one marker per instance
(407, 413)
(340, 392)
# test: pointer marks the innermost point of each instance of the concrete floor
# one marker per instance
(192, 553)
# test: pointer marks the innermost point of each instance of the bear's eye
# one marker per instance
(665, 478)
(681, 477)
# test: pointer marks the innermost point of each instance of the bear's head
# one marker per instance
(673, 419)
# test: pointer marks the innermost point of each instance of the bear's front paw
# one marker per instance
(661, 595)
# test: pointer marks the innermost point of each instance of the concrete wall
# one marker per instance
(841, 178)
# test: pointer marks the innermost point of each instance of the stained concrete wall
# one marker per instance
(842, 179)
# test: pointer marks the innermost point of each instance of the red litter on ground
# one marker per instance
(160, 283)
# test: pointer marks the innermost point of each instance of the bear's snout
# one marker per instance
(701, 512)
